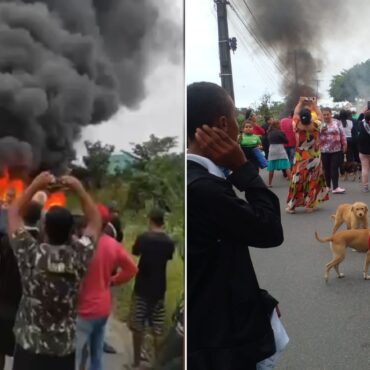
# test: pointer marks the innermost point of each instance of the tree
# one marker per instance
(97, 161)
(351, 84)
(159, 180)
(264, 108)
(154, 147)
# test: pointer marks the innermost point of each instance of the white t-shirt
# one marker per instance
(348, 128)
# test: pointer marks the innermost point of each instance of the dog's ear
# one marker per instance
(366, 209)
(352, 209)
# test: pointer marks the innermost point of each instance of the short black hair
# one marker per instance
(248, 113)
(58, 225)
(267, 118)
(32, 213)
(206, 102)
(79, 225)
(305, 116)
(156, 215)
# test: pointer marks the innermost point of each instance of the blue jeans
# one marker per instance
(260, 157)
(290, 151)
(90, 335)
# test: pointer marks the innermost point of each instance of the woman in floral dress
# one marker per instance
(307, 186)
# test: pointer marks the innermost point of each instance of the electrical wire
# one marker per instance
(263, 75)
(256, 39)
(263, 70)
(259, 42)
(259, 26)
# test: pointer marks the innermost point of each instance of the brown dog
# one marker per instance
(354, 215)
(350, 168)
(357, 239)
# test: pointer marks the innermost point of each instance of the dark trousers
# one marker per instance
(356, 153)
(331, 163)
(351, 150)
(25, 360)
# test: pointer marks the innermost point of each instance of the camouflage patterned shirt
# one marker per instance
(51, 277)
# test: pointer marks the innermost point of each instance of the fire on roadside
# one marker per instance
(14, 187)
(10, 187)
(56, 199)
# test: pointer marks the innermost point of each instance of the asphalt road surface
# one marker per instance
(328, 323)
(111, 362)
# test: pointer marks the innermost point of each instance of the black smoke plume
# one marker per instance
(65, 64)
(293, 31)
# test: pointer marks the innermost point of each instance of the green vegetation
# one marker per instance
(351, 84)
(155, 179)
(264, 108)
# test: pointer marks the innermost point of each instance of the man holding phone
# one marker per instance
(228, 326)
(51, 271)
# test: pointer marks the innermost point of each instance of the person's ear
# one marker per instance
(222, 123)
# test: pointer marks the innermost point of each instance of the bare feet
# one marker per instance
(289, 210)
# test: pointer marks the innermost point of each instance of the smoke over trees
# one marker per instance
(293, 32)
(66, 64)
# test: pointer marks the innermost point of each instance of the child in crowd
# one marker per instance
(278, 158)
(251, 145)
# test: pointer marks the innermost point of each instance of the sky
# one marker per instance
(253, 73)
(161, 113)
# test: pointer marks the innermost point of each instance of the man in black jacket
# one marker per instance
(228, 318)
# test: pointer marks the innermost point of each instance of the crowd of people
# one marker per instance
(232, 323)
(56, 275)
(311, 147)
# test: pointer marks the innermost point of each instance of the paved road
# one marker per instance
(328, 324)
(112, 362)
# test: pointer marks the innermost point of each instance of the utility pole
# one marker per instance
(224, 47)
(317, 87)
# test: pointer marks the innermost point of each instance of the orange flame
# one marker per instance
(56, 199)
(6, 185)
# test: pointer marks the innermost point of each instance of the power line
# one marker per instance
(265, 71)
(269, 78)
(266, 74)
(259, 26)
(259, 42)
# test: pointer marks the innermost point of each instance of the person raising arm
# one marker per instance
(51, 273)
(90, 210)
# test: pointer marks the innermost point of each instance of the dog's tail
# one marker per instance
(325, 240)
(332, 217)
